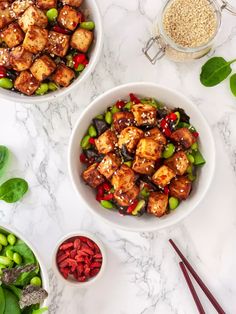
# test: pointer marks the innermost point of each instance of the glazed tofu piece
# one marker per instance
(127, 198)
(35, 39)
(123, 179)
(46, 4)
(5, 57)
(180, 187)
(122, 120)
(68, 18)
(143, 165)
(12, 35)
(20, 59)
(149, 149)
(130, 137)
(156, 135)
(184, 137)
(26, 83)
(43, 67)
(33, 16)
(58, 44)
(106, 142)
(92, 176)
(81, 39)
(178, 163)
(163, 176)
(19, 6)
(63, 75)
(6, 14)
(157, 204)
(109, 165)
(73, 3)
(144, 114)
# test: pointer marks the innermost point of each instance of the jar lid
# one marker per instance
(227, 6)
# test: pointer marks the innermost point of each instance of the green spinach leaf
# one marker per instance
(25, 252)
(24, 278)
(233, 84)
(4, 157)
(13, 190)
(2, 301)
(17, 291)
(12, 304)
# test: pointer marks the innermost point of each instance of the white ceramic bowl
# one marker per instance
(43, 270)
(94, 53)
(72, 282)
(172, 99)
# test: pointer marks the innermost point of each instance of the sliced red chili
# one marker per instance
(134, 99)
(166, 190)
(172, 116)
(108, 197)
(120, 104)
(195, 134)
(79, 59)
(92, 141)
(106, 186)
(60, 30)
(132, 207)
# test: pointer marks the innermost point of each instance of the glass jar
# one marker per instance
(160, 44)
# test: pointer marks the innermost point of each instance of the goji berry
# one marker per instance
(61, 258)
(94, 272)
(90, 243)
(134, 99)
(65, 272)
(108, 197)
(97, 256)
(106, 186)
(88, 251)
(81, 278)
(3, 72)
(195, 134)
(81, 17)
(73, 253)
(77, 243)
(66, 246)
(95, 265)
(120, 104)
(80, 268)
(83, 158)
(63, 264)
(92, 141)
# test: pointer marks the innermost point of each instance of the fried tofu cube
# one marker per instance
(92, 176)
(35, 39)
(81, 39)
(46, 4)
(123, 179)
(157, 204)
(122, 120)
(180, 187)
(178, 162)
(12, 35)
(127, 198)
(73, 3)
(68, 18)
(19, 6)
(184, 137)
(58, 44)
(5, 57)
(20, 59)
(106, 142)
(33, 16)
(26, 83)
(156, 135)
(144, 114)
(149, 149)
(109, 165)
(143, 165)
(43, 67)
(130, 137)
(63, 75)
(163, 176)
(6, 15)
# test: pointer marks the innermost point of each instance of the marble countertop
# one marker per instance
(142, 275)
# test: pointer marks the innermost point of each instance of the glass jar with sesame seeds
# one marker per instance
(186, 29)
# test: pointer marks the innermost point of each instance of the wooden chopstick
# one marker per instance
(191, 288)
(198, 279)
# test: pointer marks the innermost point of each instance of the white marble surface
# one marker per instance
(142, 275)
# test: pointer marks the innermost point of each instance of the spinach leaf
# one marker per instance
(233, 84)
(12, 304)
(25, 252)
(4, 156)
(40, 311)
(2, 301)
(215, 70)
(24, 278)
(17, 291)
(12, 190)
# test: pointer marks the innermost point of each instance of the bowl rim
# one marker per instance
(43, 269)
(78, 233)
(166, 224)
(63, 91)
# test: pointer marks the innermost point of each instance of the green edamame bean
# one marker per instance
(138, 208)
(36, 281)
(106, 204)
(144, 193)
(108, 117)
(191, 177)
(3, 240)
(168, 151)
(99, 117)
(0, 247)
(92, 131)
(17, 258)
(89, 25)
(128, 105)
(4, 260)
(190, 158)
(114, 109)
(43, 88)
(9, 253)
(69, 61)
(85, 141)
(52, 86)
(52, 14)
(80, 68)
(128, 163)
(194, 146)
(173, 203)
(6, 83)
(190, 169)
(11, 239)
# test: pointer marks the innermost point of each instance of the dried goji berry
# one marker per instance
(108, 197)
(106, 186)
(90, 243)
(77, 243)
(134, 99)
(94, 272)
(95, 265)
(81, 278)
(63, 264)
(120, 104)
(66, 246)
(195, 134)
(97, 256)
(65, 272)
(61, 258)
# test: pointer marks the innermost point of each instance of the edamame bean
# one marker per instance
(106, 204)
(89, 25)
(99, 117)
(169, 151)
(6, 83)
(194, 146)
(173, 203)
(3, 240)
(190, 169)
(128, 163)
(11, 239)
(52, 14)
(9, 253)
(191, 158)
(92, 131)
(85, 141)
(191, 177)
(43, 88)
(36, 281)
(114, 109)
(69, 61)
(17, 258)
(128, 105)
(80, 68)
(145, 193)
(108, 117)
(4, 260)
(52, 86)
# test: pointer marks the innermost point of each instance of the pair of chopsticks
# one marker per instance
(184, 265)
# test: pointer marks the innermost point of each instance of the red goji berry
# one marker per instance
(61, 258)
(88, 251)
(3, 72)
(80, 268)
(65, 272)
(120, 104)
(87, 271)
(77, 243)
(95, 265)
(90, 243)
(66, 246)
(81, 278)
(97, 256)
(106, 186)
(81, 17)
(73, 253)
(195, 134)
(108, 197)
(92, 141)
(63, 264)
(94, 272)
(134, 99)
(83, 158)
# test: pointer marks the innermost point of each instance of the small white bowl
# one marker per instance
(172, 99)
(73, 282)
(43, 270)
(95, 52)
